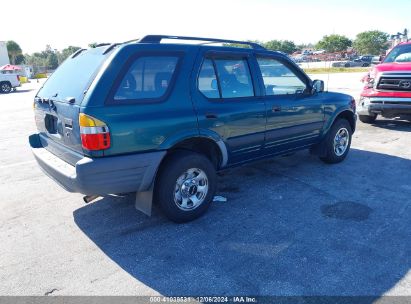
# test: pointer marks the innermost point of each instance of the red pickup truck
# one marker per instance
(387, 90)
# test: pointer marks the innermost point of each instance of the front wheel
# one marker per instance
(338, 142)
(186, 185)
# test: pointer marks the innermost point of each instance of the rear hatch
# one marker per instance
(57, 104)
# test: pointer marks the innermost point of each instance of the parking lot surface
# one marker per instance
(291, 225)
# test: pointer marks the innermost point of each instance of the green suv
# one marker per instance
(159, 118)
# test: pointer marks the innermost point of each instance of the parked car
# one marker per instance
(8, 82)
(319, 52)
(161, 119)
(362, 61)
(387, 90)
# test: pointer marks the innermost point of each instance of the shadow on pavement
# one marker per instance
(393, 124)
(291, 226)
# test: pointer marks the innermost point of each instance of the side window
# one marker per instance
(207, 80)
(234, 77)
(279, 79)
(233, 81)
(148, 78)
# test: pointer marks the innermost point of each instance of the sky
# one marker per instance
(61, 23)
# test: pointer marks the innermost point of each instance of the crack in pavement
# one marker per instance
(50, 292)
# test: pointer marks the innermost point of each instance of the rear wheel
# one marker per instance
(186, 185)
(5, 87)
(367, 118)
(338, 142)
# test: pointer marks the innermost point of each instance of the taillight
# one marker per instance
(18, 78)
(94, 133)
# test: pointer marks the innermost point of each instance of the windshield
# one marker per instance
(401, 53)
(73, 77)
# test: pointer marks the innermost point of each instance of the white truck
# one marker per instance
(9, 82)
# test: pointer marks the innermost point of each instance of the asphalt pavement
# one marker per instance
(291, 225)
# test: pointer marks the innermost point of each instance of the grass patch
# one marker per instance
(335, 70)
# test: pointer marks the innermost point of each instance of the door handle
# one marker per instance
(68, 123)
(211, 116)
(276, 109)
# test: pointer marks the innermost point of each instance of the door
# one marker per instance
(295, 117)
(226, 102)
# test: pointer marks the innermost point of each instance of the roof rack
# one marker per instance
(112, 46)
(158, 38)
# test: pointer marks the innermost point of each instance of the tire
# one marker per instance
(347, 65)
(365, 65)
(5, 87)
(337, 148)
(177, 189)
(369, 119)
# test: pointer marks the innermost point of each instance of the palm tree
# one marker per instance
(13, 50)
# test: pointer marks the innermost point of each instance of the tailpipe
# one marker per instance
(89, 198)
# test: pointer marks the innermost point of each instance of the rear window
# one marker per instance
(401, 53)
(73, 77)
(148, 78)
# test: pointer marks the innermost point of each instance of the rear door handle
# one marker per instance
(276, 109)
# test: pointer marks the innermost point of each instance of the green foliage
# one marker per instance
(13, 50)
(303, 46)
(43, 61)
(65, 53)
(93, 45)
(335, 70)
(20, 59)
(371, 42)
(240, 45)
(285, 46)
(334, 43)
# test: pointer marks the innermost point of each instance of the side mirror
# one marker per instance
(317, 87)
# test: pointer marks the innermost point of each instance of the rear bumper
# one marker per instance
(99, 176)
(386, 106)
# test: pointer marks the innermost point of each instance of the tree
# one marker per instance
(65, 53)
(241, 45)
(371, 42)
(52, 61)
(285, 46)
(334, 43)
(302, 46)
(43, 61)
(20, 59)
(13, 50)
